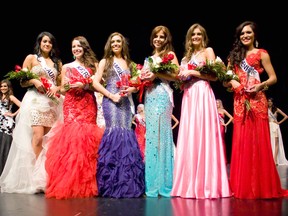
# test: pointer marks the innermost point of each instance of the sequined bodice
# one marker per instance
(38, 69)
(116, 114)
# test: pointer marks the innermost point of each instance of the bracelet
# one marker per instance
(266, 87)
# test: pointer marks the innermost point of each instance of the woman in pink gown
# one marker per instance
(253, 174)
(200, 169)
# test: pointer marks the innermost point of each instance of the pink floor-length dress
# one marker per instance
(200, 170)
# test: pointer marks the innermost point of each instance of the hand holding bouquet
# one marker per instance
(24, 74)
(162, 65)
(21, 74)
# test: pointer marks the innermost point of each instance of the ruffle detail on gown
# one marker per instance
(71, 160)
(120, 172)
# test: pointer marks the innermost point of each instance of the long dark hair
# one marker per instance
(273, 108)
(109, 55)
(238, 52)
(89, 57)
(8, 93)
(54, 53)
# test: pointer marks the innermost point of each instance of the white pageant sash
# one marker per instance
(249, 70)
(119, 72)
(48, 70)
(272, 115)
(82, 70)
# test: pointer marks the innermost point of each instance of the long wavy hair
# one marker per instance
(89, 57)
(238, 52)
(8, 93)
(167, 45)
(109, 54)
(273, 108)
(189, 49)
(54, 53)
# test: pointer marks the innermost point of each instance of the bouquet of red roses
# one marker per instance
(22, 74)
(162, 65)
(47, 85)
(86, 81)
(133, 80)
(215, 68)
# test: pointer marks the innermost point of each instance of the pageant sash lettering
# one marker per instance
(249, 70)
(82, 70)
(120, 72)
(48, 70)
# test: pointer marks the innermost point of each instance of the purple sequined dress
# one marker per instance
(120, 169)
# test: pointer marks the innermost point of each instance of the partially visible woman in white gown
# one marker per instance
(24, 171)
(275, 133)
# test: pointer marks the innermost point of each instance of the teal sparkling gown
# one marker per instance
(159, 139)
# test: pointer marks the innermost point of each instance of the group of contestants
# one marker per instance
(59, 149)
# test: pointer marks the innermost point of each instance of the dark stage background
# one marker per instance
(24, 22)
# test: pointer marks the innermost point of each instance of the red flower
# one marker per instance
(162, 65)
(47, 85)
(192, 67)
(124, 82)
(139, 66)
(17, 68)
(140, 85)
(21, 74)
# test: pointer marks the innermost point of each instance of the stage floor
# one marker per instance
(38, 205)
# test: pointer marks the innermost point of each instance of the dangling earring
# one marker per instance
(256, 44)
(74, 57)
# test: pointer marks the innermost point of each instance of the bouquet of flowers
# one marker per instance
(137, 82)
(21, 74)
(47, 86)
(162, 65)
(86, 81)
(134, 80)
(215, 68)
(136, 71)
(123, 83)
(230, 75)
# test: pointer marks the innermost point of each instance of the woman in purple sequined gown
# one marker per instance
(120, 170)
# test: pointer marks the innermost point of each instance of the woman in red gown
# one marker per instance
(72, 146)
(253, 173)
(140, 128)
